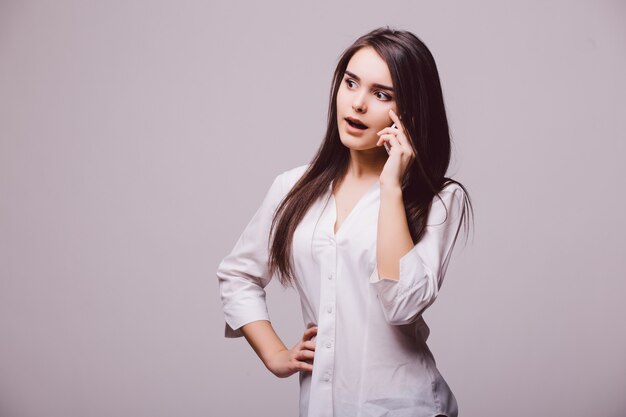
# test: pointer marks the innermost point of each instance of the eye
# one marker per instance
(382, 96)
(350, 82)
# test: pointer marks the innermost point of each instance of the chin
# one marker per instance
(350, 144)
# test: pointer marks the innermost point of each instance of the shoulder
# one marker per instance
(295, 173)
(449, 200)
(452, 191)
(289, 177)
(452, 187)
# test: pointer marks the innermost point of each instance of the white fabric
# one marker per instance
(371, 356)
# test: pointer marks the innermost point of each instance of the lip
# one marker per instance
(353, 131)
(354, 119)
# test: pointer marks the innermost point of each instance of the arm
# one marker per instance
(408, 277)
(281, 361)
(244, 273)
(394, 239)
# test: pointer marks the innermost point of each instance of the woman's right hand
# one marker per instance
(286, 362)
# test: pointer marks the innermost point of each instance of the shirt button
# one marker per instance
(332, 242)
(329, 309)
(329, 345)
(330, 276)
(327, 377)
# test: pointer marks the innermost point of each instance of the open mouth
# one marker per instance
(356, 124)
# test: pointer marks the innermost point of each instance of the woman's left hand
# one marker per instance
(401, 154)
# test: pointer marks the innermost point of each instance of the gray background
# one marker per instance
(138, 138)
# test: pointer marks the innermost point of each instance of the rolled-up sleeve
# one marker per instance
(422, 269)
(244, 273)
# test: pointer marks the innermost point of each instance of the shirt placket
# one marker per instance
(321, 401)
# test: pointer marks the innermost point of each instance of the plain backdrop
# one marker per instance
(137, 138)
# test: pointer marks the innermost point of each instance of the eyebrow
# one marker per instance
(375, 85)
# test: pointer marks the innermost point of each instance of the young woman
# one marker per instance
(365, 233)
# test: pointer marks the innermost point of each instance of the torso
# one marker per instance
(347, 194)
(337, 280)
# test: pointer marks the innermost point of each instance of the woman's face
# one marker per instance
(364, 97)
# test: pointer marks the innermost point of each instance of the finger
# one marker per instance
(303, 366)
(308, 345)
(309, 333)
(395, 142)
(398, 123)
(388, 129)
(395, 119)
(385, 138)
(398, 135)
(305, 355)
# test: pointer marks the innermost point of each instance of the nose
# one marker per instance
(359, 104)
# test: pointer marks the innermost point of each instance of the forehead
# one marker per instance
(369, 66)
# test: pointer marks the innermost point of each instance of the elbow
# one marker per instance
(396, 317)
(399, 321)
(407, 308)
(403, 301)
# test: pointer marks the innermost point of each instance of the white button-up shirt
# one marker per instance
(371, 357)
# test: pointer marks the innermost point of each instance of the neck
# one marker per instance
(366, 164)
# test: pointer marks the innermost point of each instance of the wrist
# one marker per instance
(391, 188)
(277, 363)
(270, 359)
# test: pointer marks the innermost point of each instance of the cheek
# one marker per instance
(341, 99)
(382, 114)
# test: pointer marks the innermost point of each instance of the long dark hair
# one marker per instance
(421, 108)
